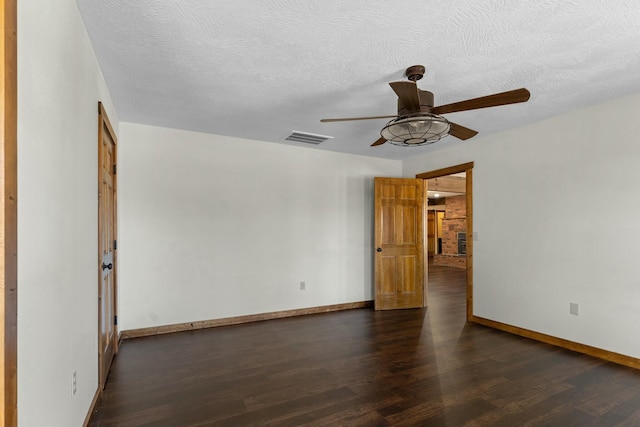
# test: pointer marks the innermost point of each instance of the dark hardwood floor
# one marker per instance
(365, 368)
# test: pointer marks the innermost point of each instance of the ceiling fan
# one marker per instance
(418, 122)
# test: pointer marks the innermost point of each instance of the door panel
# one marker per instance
(388, 218)
(399, 240)
(409, 284)
(409, 227)
(388, 273)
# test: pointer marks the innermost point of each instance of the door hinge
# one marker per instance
(115, 245)
(115, 320)
(114, 169)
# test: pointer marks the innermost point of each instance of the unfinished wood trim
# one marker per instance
(92, 407)
(610, 356)
(214, 323)
(8, 215)
(425, 243)
(445, 171)
(469, 206)
(101, 124)
(105, 117)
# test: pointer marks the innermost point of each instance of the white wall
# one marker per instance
(59, 86)
(531, 262)
(213, 227)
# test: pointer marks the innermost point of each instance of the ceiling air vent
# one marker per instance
(307, 138)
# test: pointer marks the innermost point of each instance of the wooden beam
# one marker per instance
(8, 214)
(452, 184)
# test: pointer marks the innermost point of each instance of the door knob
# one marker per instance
(107, 266)
(379, 250)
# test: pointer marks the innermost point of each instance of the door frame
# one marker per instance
(8, 214)
(104, 123)
(468, 169)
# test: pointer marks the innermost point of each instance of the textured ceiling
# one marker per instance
(259, 69)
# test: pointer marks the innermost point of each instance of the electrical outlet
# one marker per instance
(574, 308)
(74, 383)
(303, 286)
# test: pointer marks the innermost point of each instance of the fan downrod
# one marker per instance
(415, 72)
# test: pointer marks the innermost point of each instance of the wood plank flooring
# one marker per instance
(364, 368)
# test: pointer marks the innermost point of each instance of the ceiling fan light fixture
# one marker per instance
(416, 130)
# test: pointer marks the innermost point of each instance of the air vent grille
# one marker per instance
(307, 138)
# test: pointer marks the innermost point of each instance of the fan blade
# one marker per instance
(357, 118)
(408, 94)
(461, 132)
(379, 142)
(504, 98)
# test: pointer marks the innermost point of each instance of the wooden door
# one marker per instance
(107, 244)
(439, 218)
(399, 242)
(431, 233)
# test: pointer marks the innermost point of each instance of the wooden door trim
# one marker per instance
(468, 169)
(446, 171)
(469, 243)
(103, 121)
(425, 244)
(8, 215)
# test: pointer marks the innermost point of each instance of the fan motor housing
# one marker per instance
(426, 103)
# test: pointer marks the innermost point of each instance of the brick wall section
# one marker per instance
(450, 230)
(454, 222)
(455, 207)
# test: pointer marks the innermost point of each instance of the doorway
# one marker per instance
(467, 169)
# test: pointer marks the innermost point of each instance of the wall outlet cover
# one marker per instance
(574, 308)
